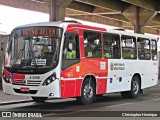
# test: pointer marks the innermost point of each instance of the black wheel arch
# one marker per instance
(81, 99)
(139, 76)
(130, 94)
(93, 78)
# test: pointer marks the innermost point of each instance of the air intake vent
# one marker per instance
(71, 21)
(120, 29)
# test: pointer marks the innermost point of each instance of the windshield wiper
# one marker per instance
(54, 60)
(16, 59)
(33, 56)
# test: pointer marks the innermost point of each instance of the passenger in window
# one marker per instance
(107, 49)
(115, 51)
(154, 57)
(88, 49)
(148, 56)
(71, 53)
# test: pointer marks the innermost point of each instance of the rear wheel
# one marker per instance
(135, 89)
(87, 92)
(39, 99)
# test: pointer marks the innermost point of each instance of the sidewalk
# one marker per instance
(6, 99)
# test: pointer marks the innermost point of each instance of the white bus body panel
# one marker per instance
(119, 78)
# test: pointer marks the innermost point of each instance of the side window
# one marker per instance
(154, 49)
(71, 46)
(128, 47)
(144, 49)
(111, 46)
(92, 44)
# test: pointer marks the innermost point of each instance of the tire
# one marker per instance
(124, 94)
(135, 89)
(99, 95)
(39, 99)
(87, 92)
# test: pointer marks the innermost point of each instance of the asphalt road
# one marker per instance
(110, 105)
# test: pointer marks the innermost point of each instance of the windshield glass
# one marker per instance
(35, 47)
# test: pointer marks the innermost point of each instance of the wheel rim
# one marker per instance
(135, 87)
(88, 92)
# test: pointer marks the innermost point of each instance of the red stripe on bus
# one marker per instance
(19, 76)
(70, 88)
(78, 87)
(102, 86)
(62, 88)
(67, 88)
(80, 26)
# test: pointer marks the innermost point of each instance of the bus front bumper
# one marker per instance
(51, 90)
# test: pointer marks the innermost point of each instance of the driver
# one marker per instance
(44, 49)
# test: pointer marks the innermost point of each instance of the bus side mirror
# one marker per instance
(66, 36)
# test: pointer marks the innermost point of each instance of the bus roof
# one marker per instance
(66, 23)
(120, 32)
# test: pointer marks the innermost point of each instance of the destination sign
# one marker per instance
(40, 32)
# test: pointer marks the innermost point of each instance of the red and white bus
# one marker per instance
(68, 59)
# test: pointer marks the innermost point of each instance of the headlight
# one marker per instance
(50, 79)
(5, 78)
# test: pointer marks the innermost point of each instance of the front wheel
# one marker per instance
(87, 92)
(135, 89)
(39, 99)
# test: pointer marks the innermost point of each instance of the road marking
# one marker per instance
(15, 102)
(133, 103)
(48, 115)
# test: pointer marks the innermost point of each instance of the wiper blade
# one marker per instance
(30, 50)
(16, 59)
(34, 59)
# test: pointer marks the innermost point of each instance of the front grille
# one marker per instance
(30, 91)
(18, 82)
(33, 82)
(26, 82)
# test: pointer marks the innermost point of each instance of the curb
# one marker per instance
(15, 102)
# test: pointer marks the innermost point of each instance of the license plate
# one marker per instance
(24, 89)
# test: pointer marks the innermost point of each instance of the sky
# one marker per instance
(12, 17)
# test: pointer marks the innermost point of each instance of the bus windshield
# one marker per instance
(34, 47)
